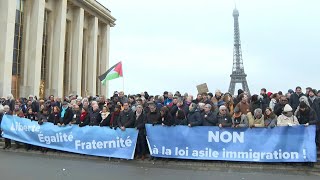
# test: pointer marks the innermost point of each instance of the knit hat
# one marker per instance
(269, 94)
(287, 108)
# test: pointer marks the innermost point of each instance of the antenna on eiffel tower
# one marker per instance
(238, 75)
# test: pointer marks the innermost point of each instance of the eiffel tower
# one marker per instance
(238, 75)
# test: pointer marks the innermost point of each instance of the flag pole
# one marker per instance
(123, 84)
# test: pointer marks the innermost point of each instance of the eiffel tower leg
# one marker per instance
(232, 86)
(245, 86)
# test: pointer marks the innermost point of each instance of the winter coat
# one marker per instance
(54, 118)
(315, 105)
(244, 107)
(308, 116)
(294, 100)
(167, 119)
(139, 123)
(255, 105)
(85, 122)
(278, 109)
(94, 118)
(224, 120)
(208, 119)
(67, 118)
(285, 121)
(271, 121)
(255, 121)
(126, 119)
(175, 108)
(182, 122)
(194, 118)
(105, 121)
(241, 121)
(153, 118)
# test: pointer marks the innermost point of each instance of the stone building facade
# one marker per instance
(53, 47)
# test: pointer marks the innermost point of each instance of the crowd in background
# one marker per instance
(265, 109)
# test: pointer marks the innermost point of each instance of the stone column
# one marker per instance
(76, 54)
(58, 42)
(34, 15)
(7, 23)
(92, 55)
(104, 54)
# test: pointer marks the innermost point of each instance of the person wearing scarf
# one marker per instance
(105, 116)
(114, 117)
(139, 124)
(270, 119)
(84, 117)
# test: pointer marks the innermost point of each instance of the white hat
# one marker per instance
(287, 108)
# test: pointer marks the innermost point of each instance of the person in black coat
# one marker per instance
(54, 117)
(179, 106)
(306, 115)
(139, 124)
(208, 117)
(84, 117)
(278, 108)
(166, 118)
(294, 98)
(66, 115)
(126, 117)
(194, 116)
(153, 116)
(223, 118)
(180, 118)
(94, 115)
(105, 117)
(43, 116)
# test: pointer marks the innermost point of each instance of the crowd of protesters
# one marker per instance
(122, 111)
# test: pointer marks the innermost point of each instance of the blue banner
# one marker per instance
(279, 144)
(90, 140)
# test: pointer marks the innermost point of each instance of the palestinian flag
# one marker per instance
(112, 73)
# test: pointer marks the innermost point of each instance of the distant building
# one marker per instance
(53, 47)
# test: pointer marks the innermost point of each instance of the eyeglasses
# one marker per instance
(223, 109)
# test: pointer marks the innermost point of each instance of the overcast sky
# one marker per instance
(177, 44)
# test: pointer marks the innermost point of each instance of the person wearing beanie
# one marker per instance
(287, 118)
(257, 119)
(306, 115)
